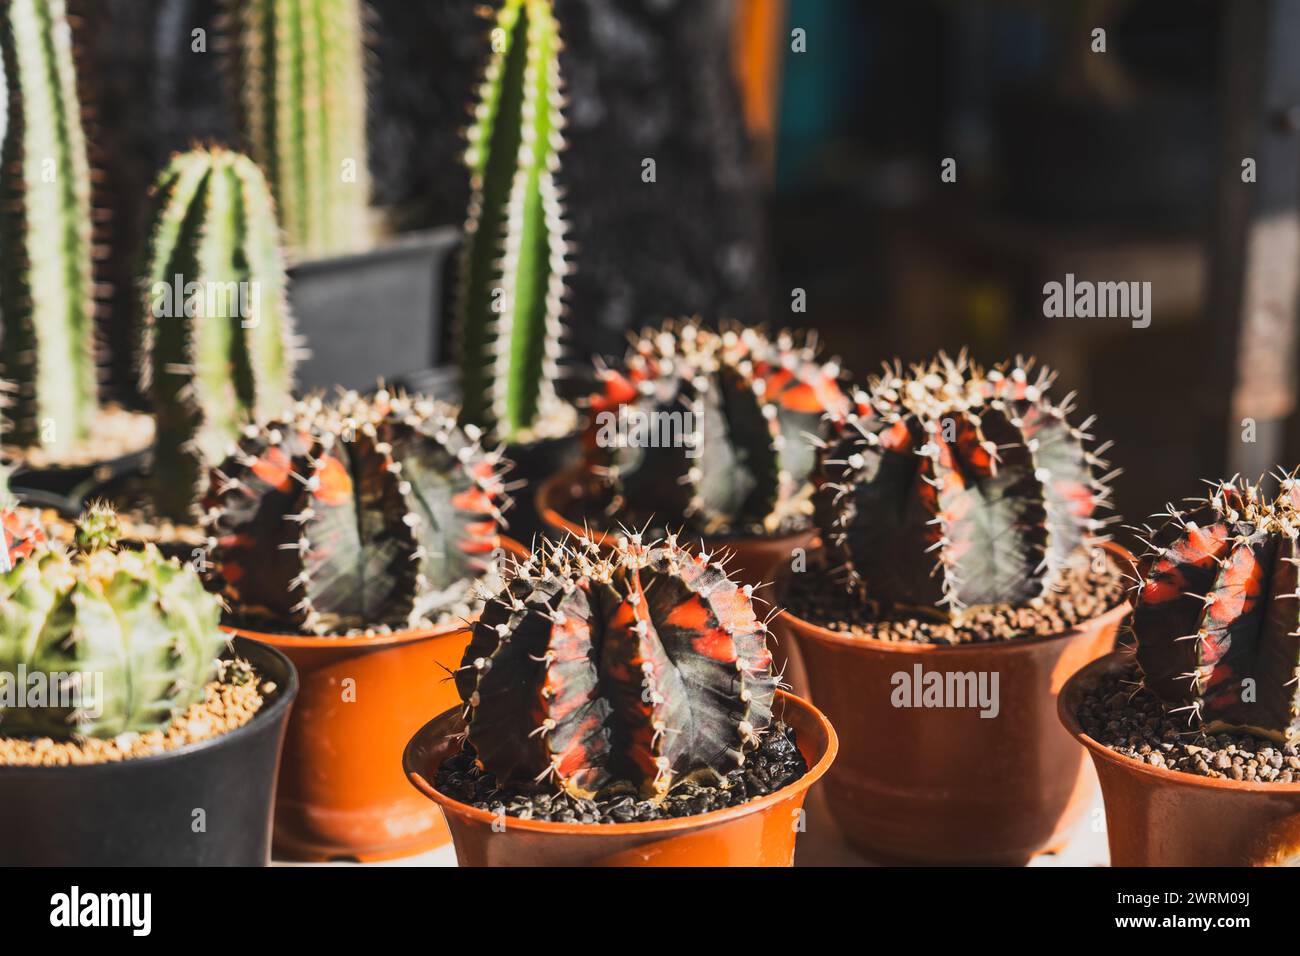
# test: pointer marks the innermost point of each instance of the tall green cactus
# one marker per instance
(46, 268)
(300, 76)
(217, 344)
(513, 260)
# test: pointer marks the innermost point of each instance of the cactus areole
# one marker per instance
(121, 640)
(645, 665)
(951, 487)
(362, 515)
(46, 269)
(711, 430)
(1217, 611)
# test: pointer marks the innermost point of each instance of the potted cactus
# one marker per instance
(1194, 732)
(298, 70)
(620, 707)
(960, 578)
(354, 536)
(57, 431)
(705, 431)
(116, 685)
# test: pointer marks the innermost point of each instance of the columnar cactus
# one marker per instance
(299, 69)
(644, 665)
(362, 515)
(1217, 611)
(47, 287)
(217, 347)
(950, 487)
(125, 639)
(512, 268)
(709, 430)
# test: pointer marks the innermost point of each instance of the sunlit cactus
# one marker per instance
(47, 287)
(217, 343)
(644, 664)
(951, 487)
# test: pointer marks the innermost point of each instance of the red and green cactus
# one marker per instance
(360, 515)
(723, 420)
(1216, 614)
(646, 665)
(951, 487)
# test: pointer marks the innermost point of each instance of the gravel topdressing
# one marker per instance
(1120, 715)
(229, 702)
(815, 596)
(775, 764)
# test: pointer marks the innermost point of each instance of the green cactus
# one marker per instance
(46, 253)
(513, 265)
(124, 640)
(217, 344)
(300, 74)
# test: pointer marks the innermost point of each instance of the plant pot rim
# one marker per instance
(1067, 703)
(548, 507)
(1017, 645)
(283, 701)
(396, 245)
(648, 827)
(283, 639)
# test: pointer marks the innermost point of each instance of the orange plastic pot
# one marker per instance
(944, 785)
(759, 833)
(341, 791)
(1157, 817)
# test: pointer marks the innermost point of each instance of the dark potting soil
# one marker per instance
(775, 764)
(1085, 593)
(1118, 713)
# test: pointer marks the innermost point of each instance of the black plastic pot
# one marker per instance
(63, 481)
(144, 812)
(372, 315)
(533, 464)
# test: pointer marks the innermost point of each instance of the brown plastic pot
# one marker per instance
(944, 785)
(1157, 817)
(759, 833)
(341, 791)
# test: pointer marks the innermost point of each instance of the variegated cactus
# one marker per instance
(513, 261)
(47, 289)
(1217, 610)
(299, 70)
(361, 515)
(217, 346)
(724, 423)
(952, 487)
(645, 664)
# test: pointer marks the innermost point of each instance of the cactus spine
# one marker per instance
(645, 665)
(46, 253)
(360, 515)
(1217, 611)
(951, 487)
(217, 346)
(125, 640)
(300, 73)
(513, 265)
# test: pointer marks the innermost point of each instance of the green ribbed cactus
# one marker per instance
(217, 344)
(513, 260)
(46, 267)
(125, 640)
(300, 76)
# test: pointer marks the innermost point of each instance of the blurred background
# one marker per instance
(799, 146)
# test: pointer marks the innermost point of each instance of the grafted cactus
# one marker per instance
(512, 268)
(125, 640)
(645, 665)
(1217, 611)
(217, 343)
(361, 515)
(951, 487)
(710, 430)
(299, 69)
(20, 534)
(47, 287)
